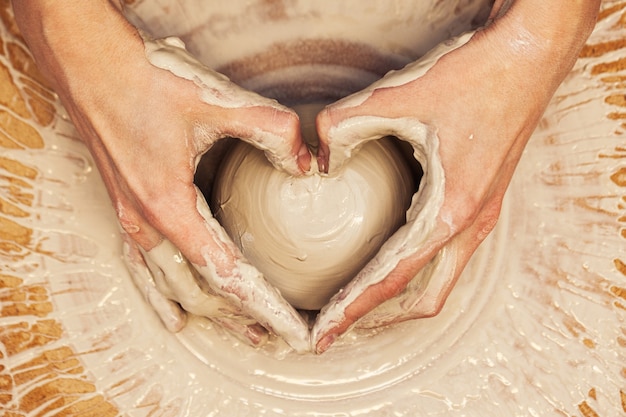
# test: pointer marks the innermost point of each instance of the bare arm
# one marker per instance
(67, 39)
(483, 100)
(146, 128)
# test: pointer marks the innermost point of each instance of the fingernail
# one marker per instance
(325, 343)
(304, 157)
(256, 334)
(322, 164)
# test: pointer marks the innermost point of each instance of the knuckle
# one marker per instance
(469, 211)
(282, 122)
(166, 210)
(462, 212)
(324, 118)
(430, 308)
(488, 218)
(328, 118)
(290, 119)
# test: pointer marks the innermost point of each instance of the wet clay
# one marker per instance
(310, 235)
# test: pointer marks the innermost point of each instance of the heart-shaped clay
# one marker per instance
(310, 235)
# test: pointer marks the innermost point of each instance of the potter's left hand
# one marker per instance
(146, 129)
(482, 100)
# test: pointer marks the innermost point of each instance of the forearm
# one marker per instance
(75, 37)
(559, 27)
(540, 40)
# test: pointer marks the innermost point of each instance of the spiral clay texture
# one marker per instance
(310, 235)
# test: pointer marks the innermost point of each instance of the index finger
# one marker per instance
(379, 281)
(411, 247)
(241, 282)
(261, 121)
(275, 130)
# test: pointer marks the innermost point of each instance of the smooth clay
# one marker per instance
(310, 235)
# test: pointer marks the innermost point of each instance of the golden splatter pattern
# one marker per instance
(611, 74)
(36, 374)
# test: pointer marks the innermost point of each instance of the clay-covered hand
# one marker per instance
(468, 109)
(146, 129)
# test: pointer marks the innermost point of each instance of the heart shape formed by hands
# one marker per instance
(311, 235)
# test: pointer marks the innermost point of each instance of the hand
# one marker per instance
(468, 110)
(146, 129)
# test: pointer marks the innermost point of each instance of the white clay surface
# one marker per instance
(403, 30)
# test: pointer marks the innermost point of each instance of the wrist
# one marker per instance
(546, 33)
(555, 24)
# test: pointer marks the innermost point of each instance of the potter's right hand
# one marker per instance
(146, 128)
(469, 112)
